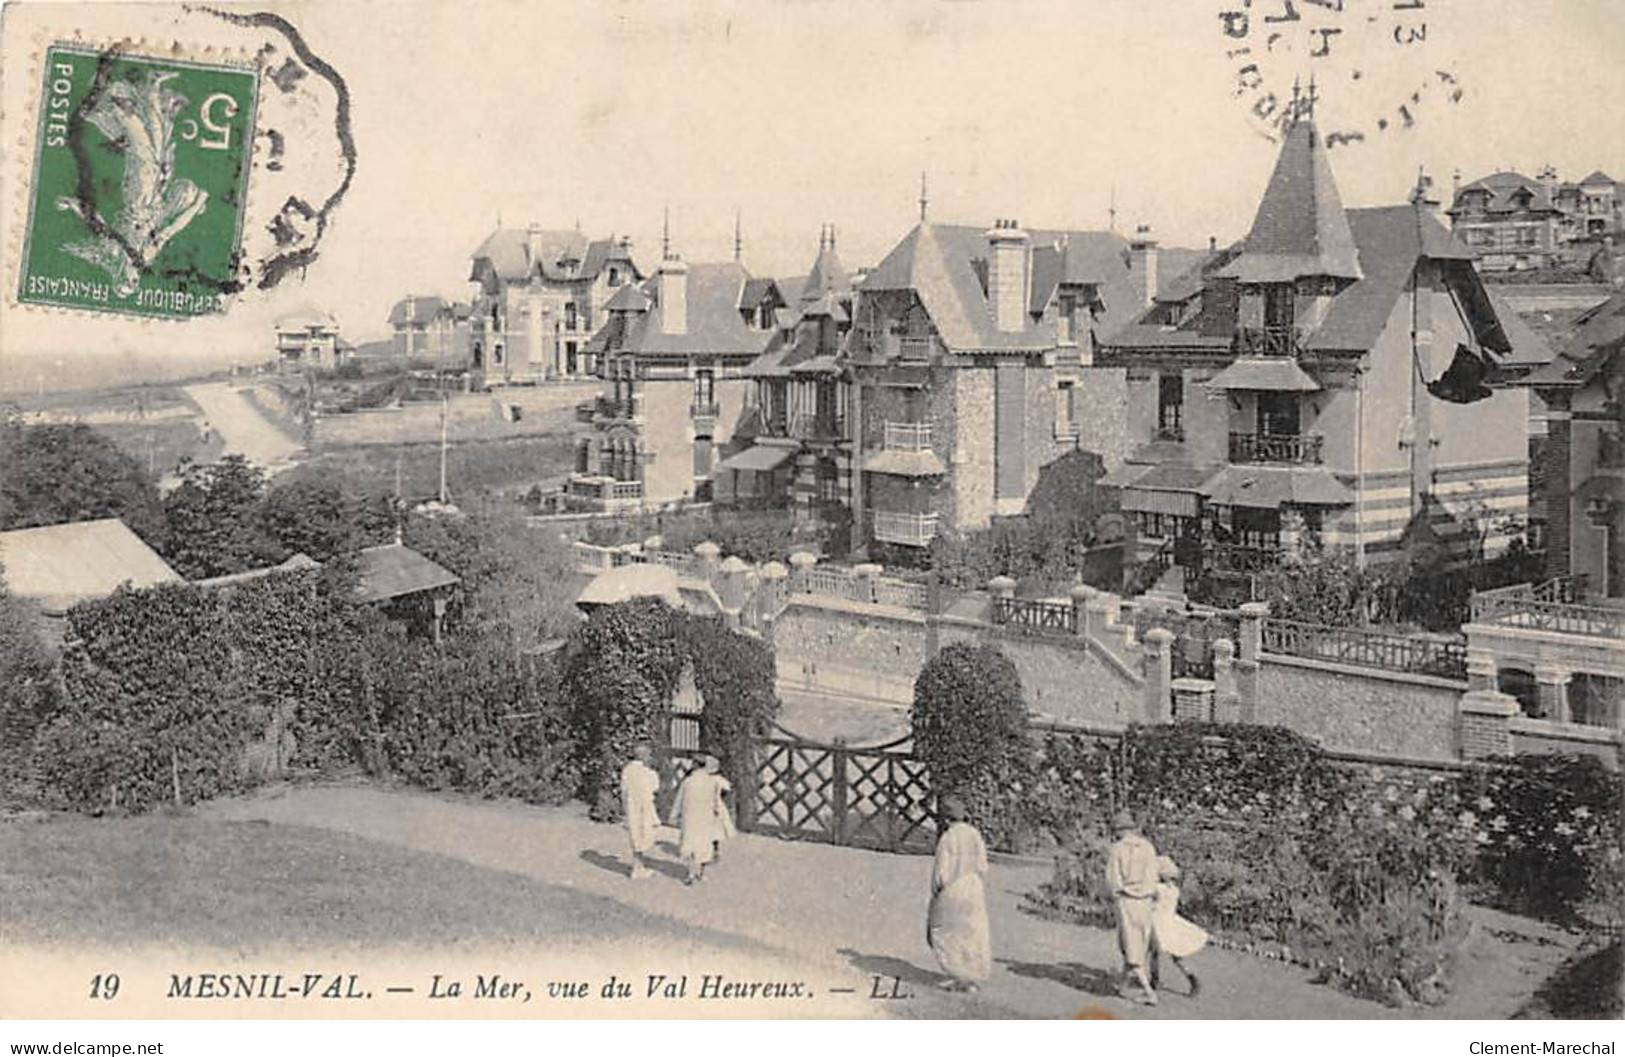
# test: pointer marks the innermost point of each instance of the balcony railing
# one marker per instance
(910, 530)
(1365, 649)
(816, 426)
(1556, 605)
(601, 489)
(704, 409)
(908, 436)
(1241, 558)
(1171, 431)
(1267, 341)
(1304, 449)
(913, 347)
(1036, 616)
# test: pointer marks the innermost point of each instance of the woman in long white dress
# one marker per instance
(1172, 934)
(703, 817)
(956, 925)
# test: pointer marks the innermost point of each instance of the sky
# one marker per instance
(796, 113)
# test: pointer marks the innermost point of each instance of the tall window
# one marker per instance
(704, 387)
(702, 457)
(1278, 414)
(569, 315)
(570, 357)
(1171, 407)
(614, 276)
(1063, 410)
(1278, 306)
(1069, 320)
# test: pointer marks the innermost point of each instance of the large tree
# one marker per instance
(969, 723)
(215, 520)
(320, 516)
(56, 473)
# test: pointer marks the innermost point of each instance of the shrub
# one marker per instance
(620, 671)
(969, 724)
(147, 705)
(1549, 834)
(735, 675)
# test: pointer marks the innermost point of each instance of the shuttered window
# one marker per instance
(702, 456)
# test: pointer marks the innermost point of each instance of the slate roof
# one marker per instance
(394, 570)
(828, 276)
(1598, 338)
(509, 252)
(1301, 227)
(1501, 187)
(422, 310)
(1597, 177)
(59, 566)
(306, 317)
(1388, 242)
(713, 326)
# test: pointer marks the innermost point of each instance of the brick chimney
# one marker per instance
(1142, 265)
(1008, 253)
(672, 291)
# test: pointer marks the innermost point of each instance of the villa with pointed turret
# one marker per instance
(1339, 372)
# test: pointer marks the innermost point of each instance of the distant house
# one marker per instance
(56, 567)
(431, 329)
(1512, 222)
(309, 339)
(673, 353)
(542, 294)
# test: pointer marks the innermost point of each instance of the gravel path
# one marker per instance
(854, 914)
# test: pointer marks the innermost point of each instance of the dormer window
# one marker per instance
(764, 316)
(614, 276)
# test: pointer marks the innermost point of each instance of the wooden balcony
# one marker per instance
(908, 436)
(818, 426)
(1268, 341)
(1299, 449)
(1240, 558)
(910, 530)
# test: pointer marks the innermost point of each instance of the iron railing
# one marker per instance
(1556, 605)
(1277, 447)
(1365, 649)
(704, 409)
(1274, 340)
(1036, 616)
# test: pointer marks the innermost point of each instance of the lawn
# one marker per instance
(254, 885)
(159, 446)
(472, 467)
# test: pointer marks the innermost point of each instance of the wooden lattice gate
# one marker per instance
(869, 797)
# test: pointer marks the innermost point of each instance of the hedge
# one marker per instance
(1359, 872)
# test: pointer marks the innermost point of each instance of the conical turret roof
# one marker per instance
(1301, 228)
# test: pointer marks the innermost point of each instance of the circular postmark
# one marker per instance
(1364, 69)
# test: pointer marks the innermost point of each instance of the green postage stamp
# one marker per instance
(140, 183)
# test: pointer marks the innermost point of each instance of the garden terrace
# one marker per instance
(1556, 605)
(1365, 649)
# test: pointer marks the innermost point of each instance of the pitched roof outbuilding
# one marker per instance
(59, 566)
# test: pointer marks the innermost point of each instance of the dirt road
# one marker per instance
(242, 427)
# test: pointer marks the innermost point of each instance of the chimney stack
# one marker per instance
(533, 242)
(1142, 264)
(1007, 275)
(672, 290)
